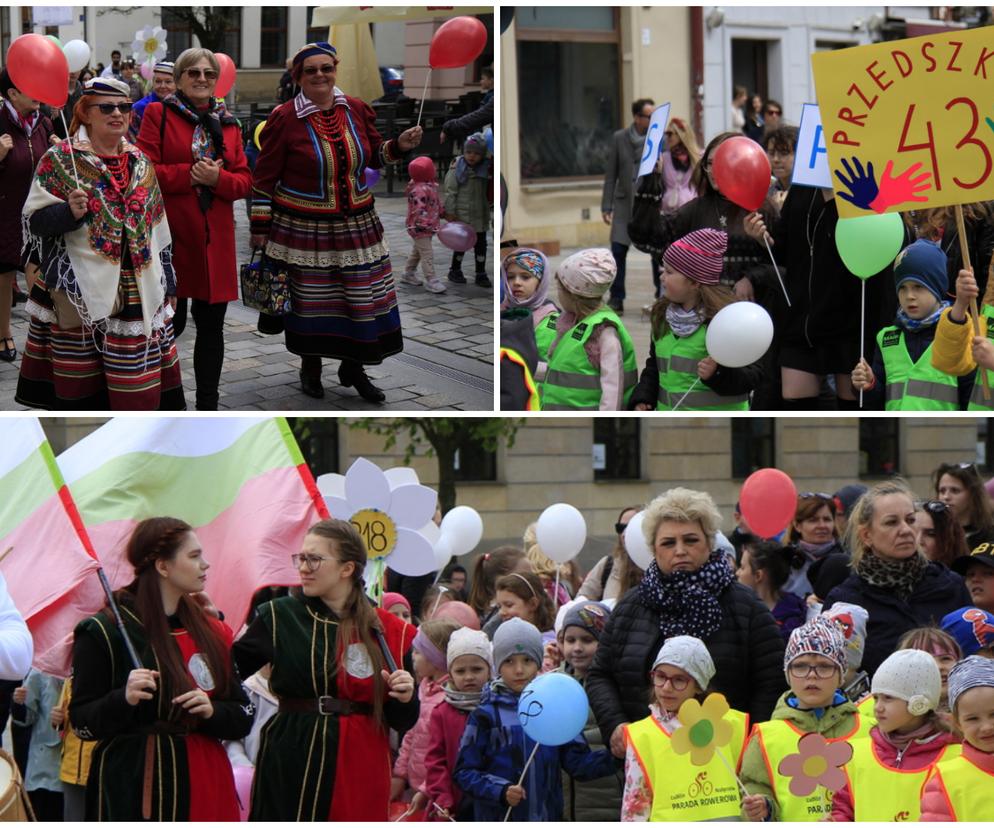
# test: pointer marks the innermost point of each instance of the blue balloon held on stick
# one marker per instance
(553, 709)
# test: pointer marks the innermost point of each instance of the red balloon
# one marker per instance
(226, 80)
(39, 69)
(768, 501)
(741, 170)
(457, 42)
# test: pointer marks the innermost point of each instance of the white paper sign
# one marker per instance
(599, 456)
(811, 159)
(654, 139)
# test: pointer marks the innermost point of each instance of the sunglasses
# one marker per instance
(327, 69)
(195, 74)
(773, 112)
(934, 507)
(108, 108)
(619, 528)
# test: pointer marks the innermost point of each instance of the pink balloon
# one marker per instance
(458, 236)
(226, 80)
(146, 71)
(243, 787)
(768, 502)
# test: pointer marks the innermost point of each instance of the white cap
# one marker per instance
(690, 655)
(913, 676)
(465, 641)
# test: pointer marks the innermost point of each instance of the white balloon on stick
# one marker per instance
(464, 528)
(739, 334)
(561, 531)
(77, 54)
(638, 550)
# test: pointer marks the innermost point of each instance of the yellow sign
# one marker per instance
(377, 530)
(908, 123)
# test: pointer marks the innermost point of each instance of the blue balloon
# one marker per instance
(488, 133)
(553, 709)
(371, 177)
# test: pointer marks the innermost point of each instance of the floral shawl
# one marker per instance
(88, 266)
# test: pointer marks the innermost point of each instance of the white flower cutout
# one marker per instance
(149, 44)
(391, 511)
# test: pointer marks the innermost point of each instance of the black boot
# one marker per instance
(207, 401)
(351, 373)
(310, 377)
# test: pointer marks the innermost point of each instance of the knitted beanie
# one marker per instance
(851, 620)
(925, 263)
(462, 614)
(690, 655)
(846, 497)
(517, 637)
(972, 627)
(911, 675)
(391, 599)
(818, 637)
(469, 642)
(477, 142)
(972, 671)
(588, 273)
(698, 255)
(590, 615)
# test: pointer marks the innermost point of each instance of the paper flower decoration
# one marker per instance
(703, 729)
(149, 44)
(391, 511)
(817, 762)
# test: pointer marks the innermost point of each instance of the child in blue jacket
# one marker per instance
(494, 746)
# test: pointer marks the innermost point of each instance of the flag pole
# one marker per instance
(117, 618)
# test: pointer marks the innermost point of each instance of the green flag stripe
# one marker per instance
(24, 489)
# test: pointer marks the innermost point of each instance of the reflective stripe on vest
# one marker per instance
(509, 353)
(967, 789)
(884, 794)
(545, 334)
(778, 740)
(571, 382)
(682, 791)
(914, 386)
(676, 361)
(977, 401)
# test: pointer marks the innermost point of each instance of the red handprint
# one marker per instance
(901, 189)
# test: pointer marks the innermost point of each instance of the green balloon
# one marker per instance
(868, 244)
(55, 40)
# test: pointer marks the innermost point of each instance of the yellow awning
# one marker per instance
(358, 72)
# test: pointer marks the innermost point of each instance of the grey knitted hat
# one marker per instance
(515, 637)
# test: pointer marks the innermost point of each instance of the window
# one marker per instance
(879, 447)
(617, 449)
(231, 45)
(569, 84)
(318, 441)
(4, 29)
(753, 445)
(474, 463)
(175, 20)
(272, 43)
(315, 34)
(179, 38)
(985, 445)
(486, 57)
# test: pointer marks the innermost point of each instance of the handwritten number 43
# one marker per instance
(969, 138)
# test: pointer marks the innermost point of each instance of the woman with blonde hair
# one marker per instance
(677, 165)
(546, 568)
(892, 579)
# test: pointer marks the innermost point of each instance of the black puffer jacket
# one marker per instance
(938, 592)
(747, 650)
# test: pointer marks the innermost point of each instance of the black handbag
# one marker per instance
(266, 286)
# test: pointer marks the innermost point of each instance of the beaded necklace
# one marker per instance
(328, 123)
(117, 166)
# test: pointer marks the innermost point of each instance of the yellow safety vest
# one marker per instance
(778, 740)
(881, 793)
(966, 787)
(682, 791)
(865, 708)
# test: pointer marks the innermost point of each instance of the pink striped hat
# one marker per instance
(698, 255)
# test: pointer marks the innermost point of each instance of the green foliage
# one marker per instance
(440, 435)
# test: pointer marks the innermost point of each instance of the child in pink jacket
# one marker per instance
(424, 214)
(469, 663)
(429, 648)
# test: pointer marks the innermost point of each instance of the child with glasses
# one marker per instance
(815, 663)
(662, 785)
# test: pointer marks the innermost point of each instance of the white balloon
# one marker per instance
(638, 549)
(77, 55)
(464, 528)
(561, 531)
(739, 334)
(443, 552)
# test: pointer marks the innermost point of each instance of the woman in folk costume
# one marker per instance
(313, 214)
(100, 334)
(159, 726)
(325, 755)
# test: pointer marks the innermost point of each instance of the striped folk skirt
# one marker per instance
(117, 370)
(341, 284)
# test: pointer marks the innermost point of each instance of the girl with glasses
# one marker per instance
(101, 334)
(662, 785)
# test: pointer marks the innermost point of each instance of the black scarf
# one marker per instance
(687, 602)
(208, 134)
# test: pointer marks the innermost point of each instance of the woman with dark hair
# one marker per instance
(325, 755)
(159, 725)
(961, 488)
(614, 574)
(940, 537)
(488, 568)
(754, 123)
(821, 562)
(780, 145)
(764, 568)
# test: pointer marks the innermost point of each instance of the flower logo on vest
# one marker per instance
(704, 728)
(817, 762)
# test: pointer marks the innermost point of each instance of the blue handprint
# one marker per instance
(862, 186)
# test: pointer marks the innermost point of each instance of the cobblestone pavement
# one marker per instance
(447, 362)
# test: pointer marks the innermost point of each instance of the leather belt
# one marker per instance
(326, 706)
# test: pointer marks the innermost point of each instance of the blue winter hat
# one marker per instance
(925, 263)
(972, 627)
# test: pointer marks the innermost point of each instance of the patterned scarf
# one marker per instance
(687, 602)
(208, 134)
(681, 321)
(481, 170)
(467, 702)
(909, 324)
(899, 575)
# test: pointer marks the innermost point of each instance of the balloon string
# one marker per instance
(692, 387)
(862, 332)
(555, 598)
(783, 287)
(521, 779)
(72, 155)
(728, 765)
(423, 93)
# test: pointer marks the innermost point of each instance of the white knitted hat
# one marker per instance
(690, 655)
(911, 675)
(465, 641)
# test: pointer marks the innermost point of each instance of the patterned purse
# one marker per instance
(266, 286)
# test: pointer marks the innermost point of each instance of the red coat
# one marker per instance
(203, 271)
